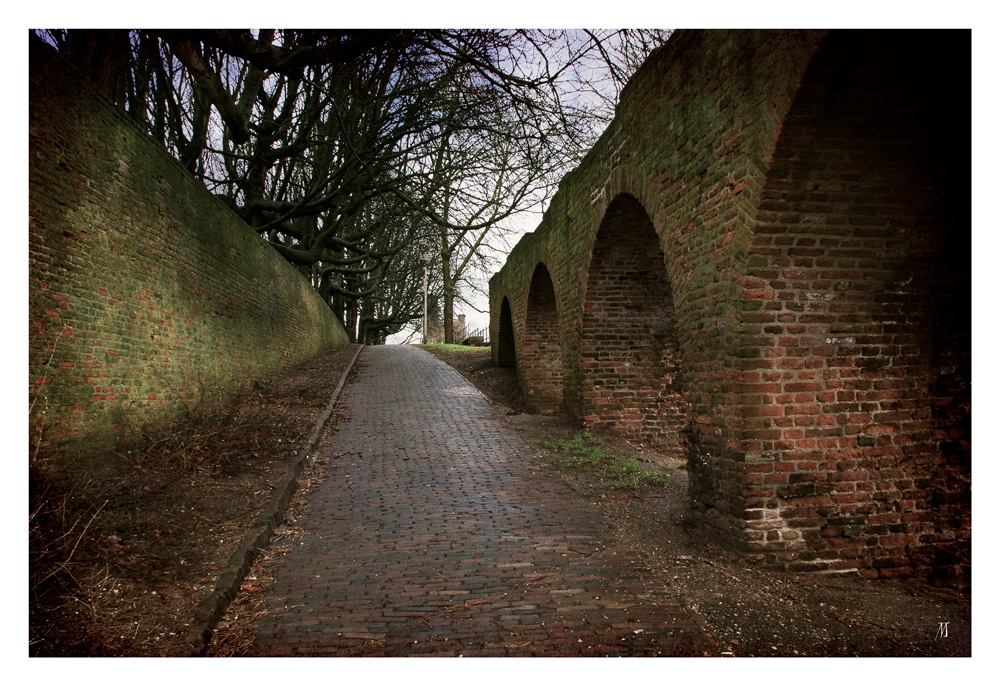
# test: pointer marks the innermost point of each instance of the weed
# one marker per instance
(588, 453)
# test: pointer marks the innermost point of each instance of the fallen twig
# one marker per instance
(467, 604)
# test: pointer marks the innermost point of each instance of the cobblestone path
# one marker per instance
(435, 533)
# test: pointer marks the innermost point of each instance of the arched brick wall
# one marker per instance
(542, 363)
(629, 360)
(854, 269)
(806, 194)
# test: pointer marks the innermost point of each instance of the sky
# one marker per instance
(518, 225)
(474, 302)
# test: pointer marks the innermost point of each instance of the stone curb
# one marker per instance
(256, 539)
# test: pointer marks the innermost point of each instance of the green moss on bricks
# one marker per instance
(155, 294)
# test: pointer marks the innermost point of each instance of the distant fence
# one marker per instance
(483, 333)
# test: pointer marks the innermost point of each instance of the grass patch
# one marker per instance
(452, 347)
(587, 452)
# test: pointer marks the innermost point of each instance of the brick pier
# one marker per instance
(437, 532)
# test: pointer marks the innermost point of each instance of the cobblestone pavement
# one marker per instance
(435, 534)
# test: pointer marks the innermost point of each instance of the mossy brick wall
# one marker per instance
(145, 292)
(807, 192)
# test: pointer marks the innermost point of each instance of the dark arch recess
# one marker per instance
(506, 356)
(862, 245)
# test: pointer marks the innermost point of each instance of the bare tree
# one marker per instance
(352, 152)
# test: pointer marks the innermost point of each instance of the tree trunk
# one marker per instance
(449, 289)
(351, 321)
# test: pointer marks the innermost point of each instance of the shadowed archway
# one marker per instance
(861, 251)
(506, 355)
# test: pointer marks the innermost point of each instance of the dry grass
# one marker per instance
(124, 549)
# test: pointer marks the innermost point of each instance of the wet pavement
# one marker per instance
(437, 533)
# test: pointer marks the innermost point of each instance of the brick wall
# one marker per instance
(764, 262)
(145, 292)
(628, 355)
(542, 368)
(861, 388)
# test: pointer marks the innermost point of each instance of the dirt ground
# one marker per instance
(120, 563)
(124, 551)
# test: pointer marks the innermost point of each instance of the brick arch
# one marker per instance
(855, 286)
(506, 349)
(630, 380)
(541, 356)
(811, 197)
